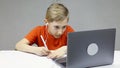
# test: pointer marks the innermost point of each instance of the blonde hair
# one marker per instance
(56, 12)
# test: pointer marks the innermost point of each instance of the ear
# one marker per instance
(67, 19)
(45, 21)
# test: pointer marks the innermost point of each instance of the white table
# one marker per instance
(17, 59)
(116, 63)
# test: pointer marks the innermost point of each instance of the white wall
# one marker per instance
(18, 17)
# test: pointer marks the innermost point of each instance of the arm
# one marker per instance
(23, 45)
(58, 53)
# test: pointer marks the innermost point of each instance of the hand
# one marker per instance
(58, 53)
(42, 51)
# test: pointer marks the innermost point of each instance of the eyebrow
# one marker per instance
(64, 26)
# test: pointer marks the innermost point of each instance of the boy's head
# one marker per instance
(57, 18)
(56, 12)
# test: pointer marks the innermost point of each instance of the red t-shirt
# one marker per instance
(52, 43)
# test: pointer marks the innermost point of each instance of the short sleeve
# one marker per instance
(70, 29)
(32, 35)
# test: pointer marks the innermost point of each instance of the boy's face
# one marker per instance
(57, 28)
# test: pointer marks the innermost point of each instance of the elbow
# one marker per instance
(17, 46)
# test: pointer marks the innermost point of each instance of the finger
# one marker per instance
(58, 56)
(52, 56)
(44, 52)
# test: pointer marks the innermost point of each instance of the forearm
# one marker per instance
(25, 48)
(64, 49)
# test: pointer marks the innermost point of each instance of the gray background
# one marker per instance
(18, 17)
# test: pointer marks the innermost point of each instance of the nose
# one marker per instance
(60, 32)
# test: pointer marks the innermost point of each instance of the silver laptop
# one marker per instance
(90, 48)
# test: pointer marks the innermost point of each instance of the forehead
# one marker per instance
(60, 23)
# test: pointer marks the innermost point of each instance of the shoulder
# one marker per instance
(69, 28)
(38, 28)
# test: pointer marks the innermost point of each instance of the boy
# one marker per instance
(54, 34)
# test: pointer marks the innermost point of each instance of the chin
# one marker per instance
(57, 36)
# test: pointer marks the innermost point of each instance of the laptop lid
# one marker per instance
(90, 48)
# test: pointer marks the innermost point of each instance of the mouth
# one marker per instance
(57, 36)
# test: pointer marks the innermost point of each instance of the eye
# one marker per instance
(56, 27)
(64, 27)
